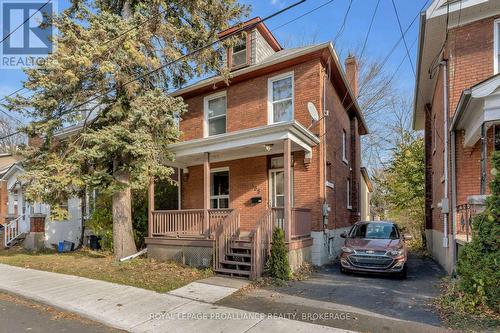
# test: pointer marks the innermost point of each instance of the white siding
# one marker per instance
(260, 49)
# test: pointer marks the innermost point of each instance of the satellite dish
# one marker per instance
(313, 111)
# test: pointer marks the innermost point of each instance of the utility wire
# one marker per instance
(236, 32)
(341, 30)
(305, 14)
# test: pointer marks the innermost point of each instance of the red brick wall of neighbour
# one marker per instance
(471, 57)
(247, 101)
(470, 61)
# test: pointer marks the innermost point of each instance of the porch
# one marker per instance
(229, 205)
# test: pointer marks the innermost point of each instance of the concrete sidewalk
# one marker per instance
(186, 309)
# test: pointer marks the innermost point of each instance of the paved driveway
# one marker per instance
(378, 303)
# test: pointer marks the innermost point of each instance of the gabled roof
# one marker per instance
(6, 161)
(285, 58)
(261, 26)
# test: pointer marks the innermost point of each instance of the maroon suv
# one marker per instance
(374, 247)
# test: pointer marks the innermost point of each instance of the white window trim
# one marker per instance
(344, 146)
(496, 45)
(225, 196)
(205, 110)
(348, 192)
(270, 114)
(271, 188)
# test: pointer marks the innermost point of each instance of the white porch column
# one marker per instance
(206, 191)
(287, 191)
(151, 206)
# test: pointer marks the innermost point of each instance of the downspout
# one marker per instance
(445, 209)
(453, 201)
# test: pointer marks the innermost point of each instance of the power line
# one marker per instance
(301, 16)
(369, 29)
(341, 30)
(236, 32)
(25, 21)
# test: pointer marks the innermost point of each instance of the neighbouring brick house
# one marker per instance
(457, 104)
(252, 156)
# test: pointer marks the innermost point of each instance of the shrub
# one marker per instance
(479, 261)
(278, 265)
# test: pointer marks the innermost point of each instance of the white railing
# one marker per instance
(12, 230)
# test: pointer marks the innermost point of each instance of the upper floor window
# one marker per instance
(344, 146)
(215, 109)
(496, 46)
(239, 55)
(280, 98)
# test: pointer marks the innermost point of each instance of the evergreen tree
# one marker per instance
(278, 265)
(103, 73)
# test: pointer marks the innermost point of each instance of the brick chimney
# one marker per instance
(352, 72)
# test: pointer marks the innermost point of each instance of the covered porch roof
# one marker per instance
(264, 140)
(478, 106)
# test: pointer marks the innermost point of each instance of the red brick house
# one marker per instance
(457, 103)
(252, 156)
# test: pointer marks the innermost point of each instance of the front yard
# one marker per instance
(142, 273)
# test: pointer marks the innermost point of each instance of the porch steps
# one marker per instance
(238, 262)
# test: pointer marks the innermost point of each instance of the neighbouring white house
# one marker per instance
(31, 222)
(366, 188)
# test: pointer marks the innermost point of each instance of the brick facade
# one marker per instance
(247, 105)
(470, 61)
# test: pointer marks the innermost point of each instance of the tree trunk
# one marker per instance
(123, 235)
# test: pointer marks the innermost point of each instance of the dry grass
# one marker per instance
(142, 273)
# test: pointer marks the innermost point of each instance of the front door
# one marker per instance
(277, 188)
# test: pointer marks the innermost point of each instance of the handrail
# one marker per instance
(261, 238)
(11, 230)
(227, 231)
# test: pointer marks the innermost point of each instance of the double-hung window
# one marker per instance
(215, 114)
(219, 196)
(496, 46)
(280, 98)
(239, 56)
(344, 146)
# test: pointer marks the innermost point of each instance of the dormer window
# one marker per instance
(239, 54)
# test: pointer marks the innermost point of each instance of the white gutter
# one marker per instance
(421, 34)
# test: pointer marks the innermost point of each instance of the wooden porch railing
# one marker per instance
(216, 217)
(12, 231)
(261, 238)
(226, 231)
(186, 222)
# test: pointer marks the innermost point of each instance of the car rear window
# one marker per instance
(374, 231)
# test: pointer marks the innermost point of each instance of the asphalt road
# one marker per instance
(21, 315)
(372, 303)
